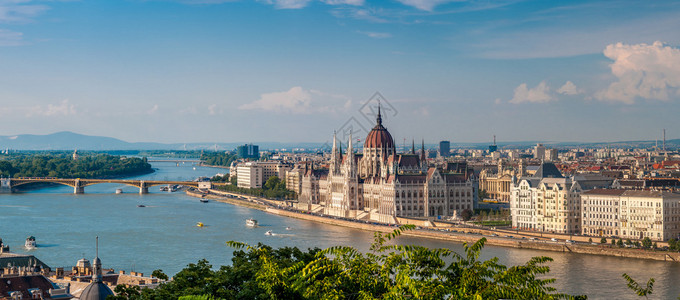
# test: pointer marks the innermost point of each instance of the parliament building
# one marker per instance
(381, 185)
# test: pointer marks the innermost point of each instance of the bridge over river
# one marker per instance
(7, 185)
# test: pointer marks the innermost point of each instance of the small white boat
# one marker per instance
(251, 222)
(30, 242)
(288, 228)
(119, 191)
(269, 232)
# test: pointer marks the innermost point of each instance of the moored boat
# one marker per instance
(30, 242)
(251, 222)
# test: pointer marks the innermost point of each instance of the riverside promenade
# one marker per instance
(445, 231)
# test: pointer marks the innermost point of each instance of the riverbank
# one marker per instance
(450, 233)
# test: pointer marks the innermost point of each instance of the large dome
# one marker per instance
(96, 291)
(379, 137)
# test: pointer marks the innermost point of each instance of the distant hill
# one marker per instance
(67, 140)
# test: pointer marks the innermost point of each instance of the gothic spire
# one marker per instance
(379, 119)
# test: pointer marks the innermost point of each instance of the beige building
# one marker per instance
(631, 214)
(249, 176)
(498, 185)
(255, 174)
(294, 179)
(547, 201)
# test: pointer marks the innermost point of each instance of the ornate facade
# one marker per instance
(381, 185)
(498, 185)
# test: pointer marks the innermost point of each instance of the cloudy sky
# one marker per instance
(296, 70)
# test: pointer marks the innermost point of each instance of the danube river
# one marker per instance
(163, 235)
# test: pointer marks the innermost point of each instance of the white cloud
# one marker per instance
(539, 94)
(10, 38)
(297, 4)
(376, 35)
(642, 71)
(153, 110)
(344, 2)
(213, 110)
(569, 88)
(427, 5)
(20, 11)
(299, 101)
(288, 4)
(64, 108)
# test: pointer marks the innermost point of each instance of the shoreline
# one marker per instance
(453, 233)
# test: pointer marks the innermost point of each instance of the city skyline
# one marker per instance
(295, 71)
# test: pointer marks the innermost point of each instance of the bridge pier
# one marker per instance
(78, 188)
(143, 188)
(5, 185)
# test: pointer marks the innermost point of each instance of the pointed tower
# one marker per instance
(96, 290)
(413, 146)
(349, 162)
(334, 155)
(423, 157)
(97, 264)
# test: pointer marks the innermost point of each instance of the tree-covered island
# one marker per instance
(63, 165)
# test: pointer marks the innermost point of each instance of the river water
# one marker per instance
(163, 235)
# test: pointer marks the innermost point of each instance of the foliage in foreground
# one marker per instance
(386, 271)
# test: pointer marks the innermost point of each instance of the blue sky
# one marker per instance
(296, 70)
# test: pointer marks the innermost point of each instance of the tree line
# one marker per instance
(223, 159)
(273, 188)
(62, 165)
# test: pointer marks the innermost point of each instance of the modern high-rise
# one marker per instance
(539, 151)
(248, 151)
(444, 148)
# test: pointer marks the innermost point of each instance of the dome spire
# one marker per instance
(379, 118)
(97, 274)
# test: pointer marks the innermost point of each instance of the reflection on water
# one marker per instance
(163, 235)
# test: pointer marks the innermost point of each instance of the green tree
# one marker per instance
(646, 243)
(466, 215)
(620, 243)
(159, 274)
(603, 240)
(402, 271)
(639, 290)
(482, 194)
(613, 242)
(124, 292)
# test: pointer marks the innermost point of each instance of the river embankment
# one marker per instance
(449, 233)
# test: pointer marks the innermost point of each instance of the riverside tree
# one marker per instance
(385, 271)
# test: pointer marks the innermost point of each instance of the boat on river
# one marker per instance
(30, 242)
(199, 224)
(251, 222)
(269, 232)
